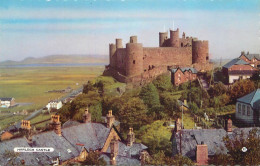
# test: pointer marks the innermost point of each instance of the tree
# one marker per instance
(241, 88)
(150, 95)
(88, 87)
(218, 89)
(93, 158)
(163, 82)
(133, 112)
(242, 150)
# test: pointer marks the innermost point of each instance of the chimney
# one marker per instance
(113, 151)
(26, 125)
(56, 124)
(87, 116)
(202, 154)
(242, 52)
(177, 125)
(144, 156)
(110, 119)
(229, 125)
(130, 137)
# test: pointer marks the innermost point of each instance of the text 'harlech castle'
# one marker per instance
(138, 64)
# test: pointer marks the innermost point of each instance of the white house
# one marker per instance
(7, 102)
(248, 108)
(55, 104)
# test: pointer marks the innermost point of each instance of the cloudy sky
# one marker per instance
(36, 28)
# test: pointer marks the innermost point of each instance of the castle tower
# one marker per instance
(163, 36)
(56, 124)
(119, 43)
(200, 51)
(133, 39)
(134, 58)
(174, 38)
(112, 55)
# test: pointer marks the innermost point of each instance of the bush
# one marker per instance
(163, 82)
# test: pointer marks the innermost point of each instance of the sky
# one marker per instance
(37, 28)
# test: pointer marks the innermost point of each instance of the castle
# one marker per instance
(139, 65)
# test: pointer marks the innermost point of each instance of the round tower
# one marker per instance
(119, 43)
(163, 36)
(133, 39)
(200, 51)
(174, 38)
(112, 55)
(134, 59)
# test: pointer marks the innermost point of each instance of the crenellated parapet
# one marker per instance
(135, 63)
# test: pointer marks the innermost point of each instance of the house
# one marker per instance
(7, 102)
(238, 69)
(54, 104)
(252, 59)
(248, 108)
(182, 75)
(201, 144)
(72, 143)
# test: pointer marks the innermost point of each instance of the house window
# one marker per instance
(133, 61)
(239, 108)
(248, 111)
(243, 109)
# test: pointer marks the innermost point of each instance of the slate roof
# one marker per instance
(69, 123)
(235, 61)
(8, 146)
(6, 98)
(211, 137)
(95, 133)
(68, 146)
(61, 147)
(184, 69)
(121, 160)
(127, 155)
(252, 98)
(251, 56)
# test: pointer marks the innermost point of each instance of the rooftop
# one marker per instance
(251, 56)
(252, 98)
(236, 61)
(184, 69)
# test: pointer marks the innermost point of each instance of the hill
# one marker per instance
(58, 59)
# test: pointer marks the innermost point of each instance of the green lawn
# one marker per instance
(30, 85)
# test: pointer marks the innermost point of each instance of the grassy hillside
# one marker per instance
(29, 85)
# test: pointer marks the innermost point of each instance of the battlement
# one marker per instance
(135, 61)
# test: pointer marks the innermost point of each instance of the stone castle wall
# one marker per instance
(138, 64)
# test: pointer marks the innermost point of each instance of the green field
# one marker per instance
(29, 85)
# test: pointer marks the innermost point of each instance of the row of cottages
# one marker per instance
(73, 143)
(248, 108)
(7, 102)
(182, 75)
(201, 144)
(241, 68)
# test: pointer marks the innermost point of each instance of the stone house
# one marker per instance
(238, 69)
(252, 59)
(7, 102)
(248, 108)
(73, 143)
(182, 75)
(54, 104)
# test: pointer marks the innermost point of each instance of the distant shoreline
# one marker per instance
(53, 65)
